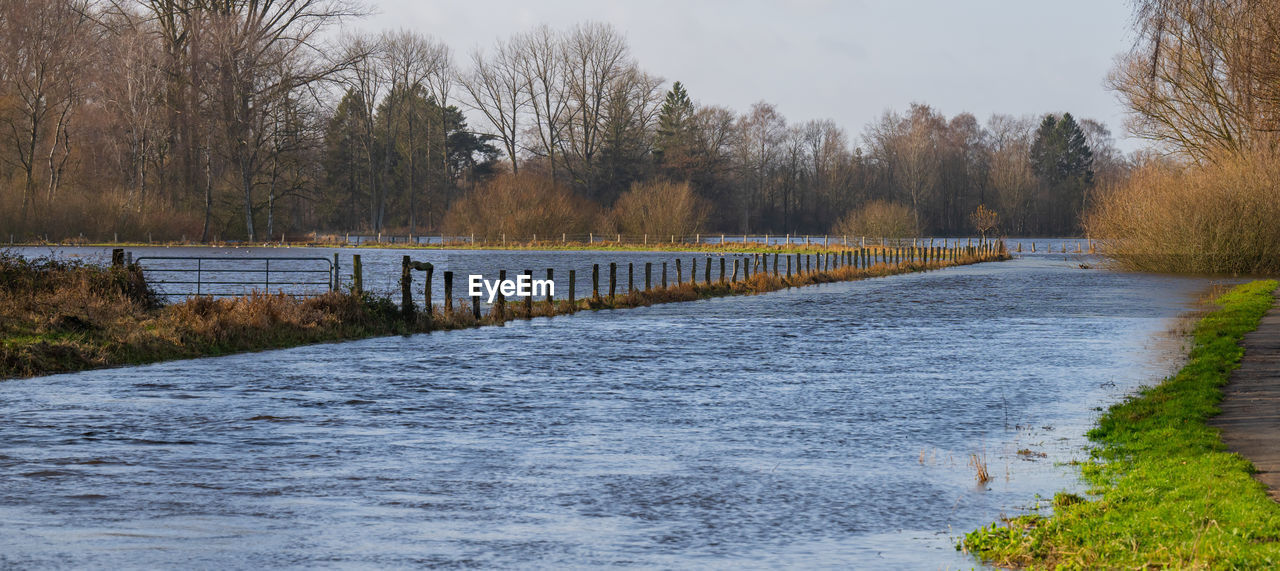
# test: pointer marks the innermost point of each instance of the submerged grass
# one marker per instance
(61, 316)
(1164, 490)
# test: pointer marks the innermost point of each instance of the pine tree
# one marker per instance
(1063, 163)
(673, 123)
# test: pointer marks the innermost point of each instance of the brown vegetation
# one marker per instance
(1216, 218)
(659, 208)
(60, 316)
(878, 218)
(1201, 81)
(520, 206)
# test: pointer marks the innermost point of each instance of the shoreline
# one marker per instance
(1164, 490)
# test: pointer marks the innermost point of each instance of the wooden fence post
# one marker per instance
(406, 296)
(595, 281)
(528, 299)
(613, 280)
(706, 278)
(722, 262)
(426, 294)
(734, 279)
(746, 270)
(788, 266)
(448, 293)
(648, 273)
(631, 274)
(501, 305)
(117, 257)
(357, 275)
(551, 288)
(679, 273)
(475, 307)
(573, 279)
(664, 275)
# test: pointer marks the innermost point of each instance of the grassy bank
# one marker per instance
(1164, 491)
(60, 316)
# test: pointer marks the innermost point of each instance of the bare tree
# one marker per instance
(496, 89)
(596, 56)
(47, 46)
(364, 77)
(544, 72)
(1203, 77)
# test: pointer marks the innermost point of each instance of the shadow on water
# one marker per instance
(829, 425)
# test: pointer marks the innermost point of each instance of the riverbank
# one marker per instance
(815, 245)
(61, 316)
(1164, 492)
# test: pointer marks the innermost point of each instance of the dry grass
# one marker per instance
(979, 464)
(1217, 218)
(58, 316)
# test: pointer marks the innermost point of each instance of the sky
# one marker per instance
(848, 61)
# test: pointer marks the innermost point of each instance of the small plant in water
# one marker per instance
(979, 464)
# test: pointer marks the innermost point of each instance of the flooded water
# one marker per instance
(822, 426)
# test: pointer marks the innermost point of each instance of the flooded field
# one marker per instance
(829, 425)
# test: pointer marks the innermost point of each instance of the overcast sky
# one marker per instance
(844, 60)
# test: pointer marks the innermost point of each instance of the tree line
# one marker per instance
(247, 119)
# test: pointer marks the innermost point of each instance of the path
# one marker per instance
(1250, 419)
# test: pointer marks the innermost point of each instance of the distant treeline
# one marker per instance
(243, 120)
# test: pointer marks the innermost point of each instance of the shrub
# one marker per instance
(521, 205)
(1216, 218)
(661, 209)
(880, 219)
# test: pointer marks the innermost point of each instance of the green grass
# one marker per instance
(1164, 491)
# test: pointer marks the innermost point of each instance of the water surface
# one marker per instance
(822, 426)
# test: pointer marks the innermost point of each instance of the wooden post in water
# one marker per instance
(406, 296)
(426, 293)
(613, 279)
(117, 257)
(551, 288)
(595, 281)
(693, 272)
(528, 299)
(788, 266)
(573, 282)
(501, 306)
(648, 275)
(448, 293)
(734, 279)
(631, 277)
(775, 264)
(475, 307)
(357, 275)
(746, 269)
(679, 273)
(707, 275)
(722, 270)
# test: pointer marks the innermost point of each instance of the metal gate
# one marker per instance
(182, 276)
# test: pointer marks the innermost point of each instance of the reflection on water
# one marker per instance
(828, 425)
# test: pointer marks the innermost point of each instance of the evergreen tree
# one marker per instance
(672, 142)
(347, 165)
(1063, 163)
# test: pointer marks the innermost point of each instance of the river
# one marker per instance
(824, 426)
